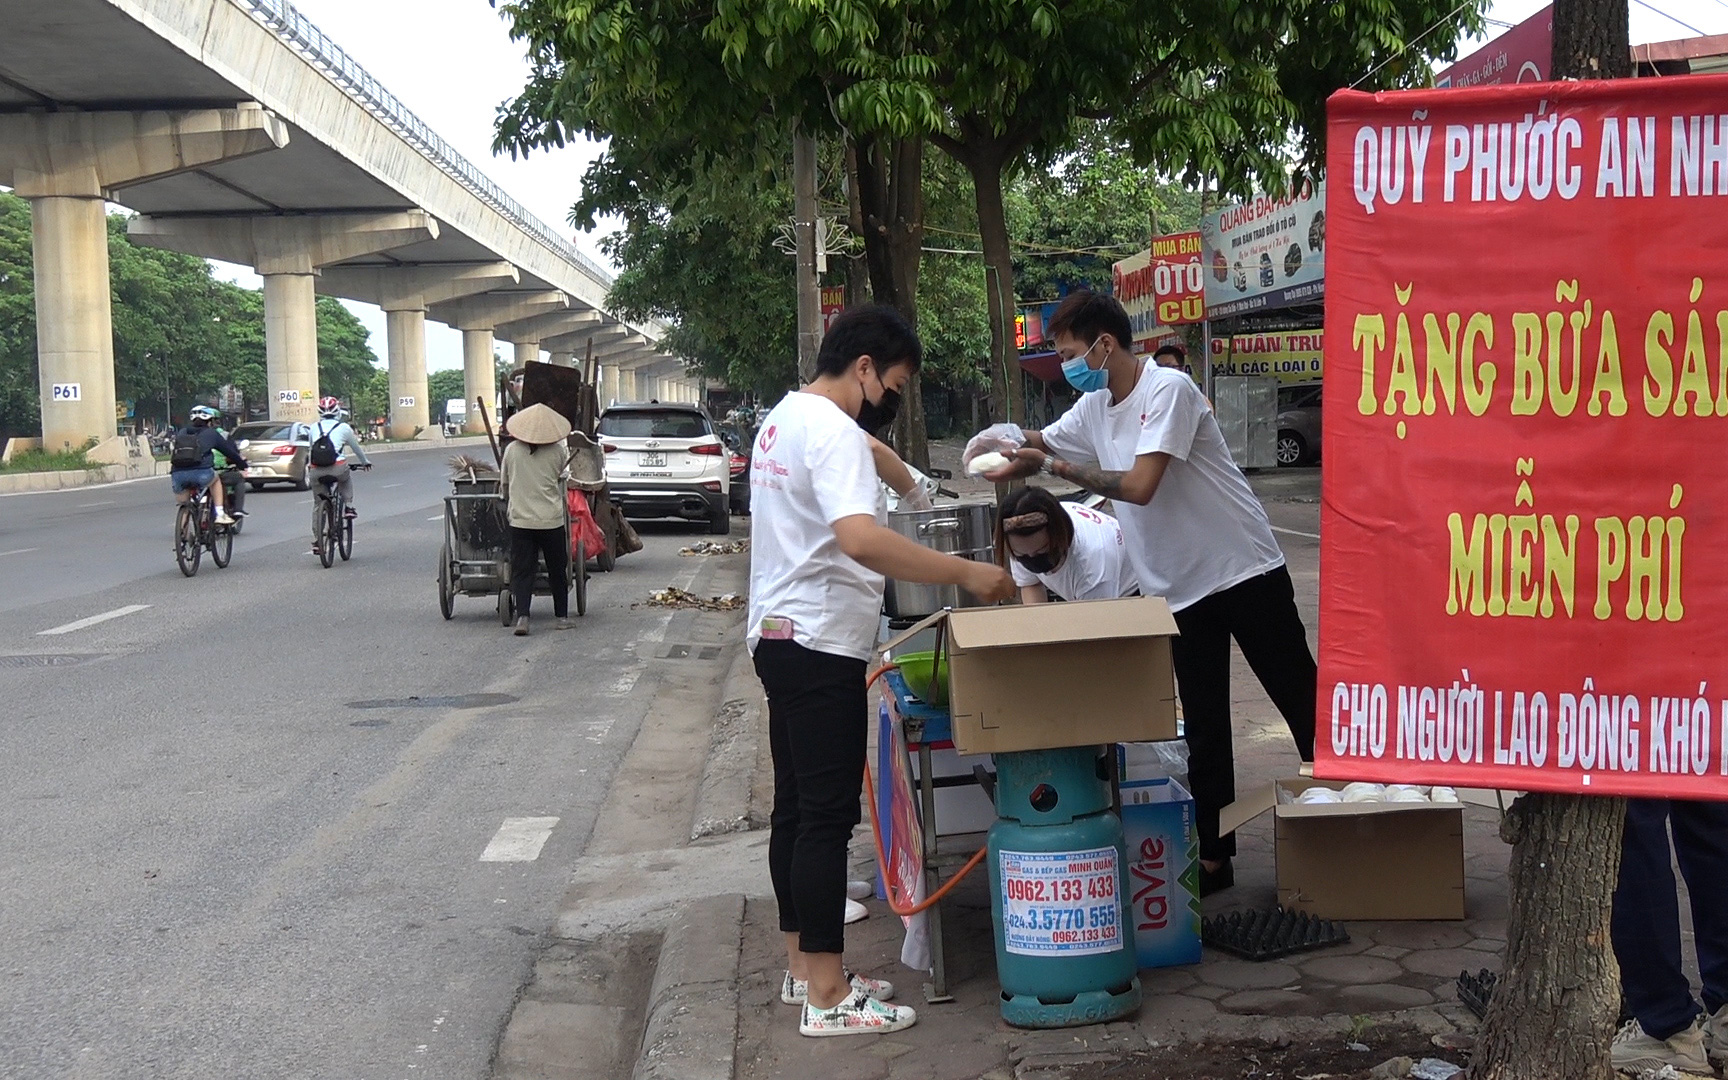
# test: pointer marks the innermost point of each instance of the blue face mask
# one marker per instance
(1083, 377)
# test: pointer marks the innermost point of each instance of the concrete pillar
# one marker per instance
(291, 346)
(65, 164)
(608, 384)
(289, 247)
(562, 357)
(526, 351)
(74, 323)
(405, 334)
(479, 377)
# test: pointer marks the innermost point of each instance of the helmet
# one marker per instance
(203, 413)
(329, 407)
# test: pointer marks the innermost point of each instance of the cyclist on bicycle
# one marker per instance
(192, 461)
(329, 437)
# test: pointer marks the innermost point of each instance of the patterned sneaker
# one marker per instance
(1634, 1051)
(859, 1014)
(796, 991)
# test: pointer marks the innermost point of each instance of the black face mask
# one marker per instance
(1040, 563)
(873, 416)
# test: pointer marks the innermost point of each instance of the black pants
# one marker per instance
(818, 727)
(526, 548)
(1646, 924)
(1261, 615)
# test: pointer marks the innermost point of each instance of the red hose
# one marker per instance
(882, 856)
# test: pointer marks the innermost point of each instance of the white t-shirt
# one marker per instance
(1204, 530)
(810, 468)
(1096, 567)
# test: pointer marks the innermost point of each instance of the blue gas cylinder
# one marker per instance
(1058, 873)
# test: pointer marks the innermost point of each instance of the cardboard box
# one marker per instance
(1363, 860)
(1163, 901)
(1039, 676)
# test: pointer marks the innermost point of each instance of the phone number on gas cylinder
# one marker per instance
(1063, 919)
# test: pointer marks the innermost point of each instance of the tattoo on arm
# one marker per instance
(1094, 479)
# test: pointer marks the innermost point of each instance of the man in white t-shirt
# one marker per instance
(819, 550)
(1144, 436)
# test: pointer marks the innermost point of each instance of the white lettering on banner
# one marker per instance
(405, 402)
(66, 391)
(1061, 903)
(288, 397)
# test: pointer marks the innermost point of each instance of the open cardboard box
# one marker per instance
(1039, 676)
(1363, 860)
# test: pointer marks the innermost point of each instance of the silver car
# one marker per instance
(1298, 423)
(276, 453)
(665, 460)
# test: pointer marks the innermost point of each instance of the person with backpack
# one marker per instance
(192, 460)
(329, 437)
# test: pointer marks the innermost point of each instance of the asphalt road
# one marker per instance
(234, 846)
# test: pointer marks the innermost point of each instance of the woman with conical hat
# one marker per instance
(531, 479)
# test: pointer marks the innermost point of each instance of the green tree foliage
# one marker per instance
(369, 401)
(180, 334)
(443, 386)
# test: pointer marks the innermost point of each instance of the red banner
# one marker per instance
(833, 301)
(1178, 278)
(1524, 553)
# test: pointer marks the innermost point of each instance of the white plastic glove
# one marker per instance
(916, 499)
(997, 438)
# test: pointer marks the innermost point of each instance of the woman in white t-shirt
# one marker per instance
(1062, 548)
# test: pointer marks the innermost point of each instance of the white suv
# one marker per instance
(665, 460)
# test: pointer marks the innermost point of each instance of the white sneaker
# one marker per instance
(1635, 1051)
(859, 1014)
(222, 518)
(855, 912)
(797, 991)
(1716, 1037)
(859, 890)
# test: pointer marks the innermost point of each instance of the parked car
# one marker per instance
(1298, 423)
(276, 453)
(666, 460)
(738, 443)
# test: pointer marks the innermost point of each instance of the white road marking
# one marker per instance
(519, 839)
(387, 487)
(440, 517)
(104, 502)
(17, 551)
(624, 683)
(93, 620)
(305, 502)
(1293, 532)
(658, 631)
(595, 731)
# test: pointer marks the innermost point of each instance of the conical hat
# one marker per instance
(538, 424)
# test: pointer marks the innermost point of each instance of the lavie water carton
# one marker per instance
(1163, 901)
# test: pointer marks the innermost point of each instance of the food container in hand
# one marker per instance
(964, 529)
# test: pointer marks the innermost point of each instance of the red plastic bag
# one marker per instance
(584, 529)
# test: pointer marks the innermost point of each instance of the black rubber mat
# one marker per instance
(1269, 933)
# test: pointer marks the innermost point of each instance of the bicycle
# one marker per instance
(330, 520)
(195, 529)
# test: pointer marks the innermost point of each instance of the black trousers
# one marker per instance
(527, 546)
(1646, 924)
(1261, 615)
(818, 728)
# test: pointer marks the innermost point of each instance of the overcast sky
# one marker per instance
(452, 62)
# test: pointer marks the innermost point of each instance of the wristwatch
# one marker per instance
(1048, 466)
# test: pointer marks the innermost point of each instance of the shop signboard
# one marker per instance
(1178, 278)
(1266, 253)
(833, 301)
(1131, 284)
(1521, 54)
(1524, 553)
(1292, 356)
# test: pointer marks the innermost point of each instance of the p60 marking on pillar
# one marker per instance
(288, 397)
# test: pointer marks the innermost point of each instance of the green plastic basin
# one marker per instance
(916, 669)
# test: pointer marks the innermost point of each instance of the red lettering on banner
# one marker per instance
(1524, 563)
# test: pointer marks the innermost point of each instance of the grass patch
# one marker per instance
(49, 461)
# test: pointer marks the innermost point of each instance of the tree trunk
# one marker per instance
(1591, 40)
(985, 160)
(890, 176)
(1554, 1007)
(857, 270)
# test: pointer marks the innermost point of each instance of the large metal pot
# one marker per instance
(966, 530)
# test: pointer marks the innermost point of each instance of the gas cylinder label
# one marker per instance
(1061, 903)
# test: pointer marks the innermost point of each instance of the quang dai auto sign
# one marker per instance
(1527, 282)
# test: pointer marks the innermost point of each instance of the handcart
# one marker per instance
(475, 557)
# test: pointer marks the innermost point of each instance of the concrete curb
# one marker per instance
(692, 1028)
(723, 799)
(60, 479)
(427, 444)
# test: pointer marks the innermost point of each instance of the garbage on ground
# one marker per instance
(1475, 990)
(709, 547)
(1270, 933)
(678, 598)
(1434, 1069)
